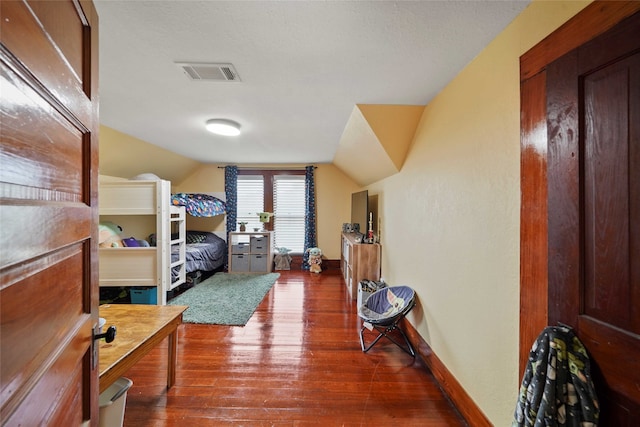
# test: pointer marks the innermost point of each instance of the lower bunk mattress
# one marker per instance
(204, 251)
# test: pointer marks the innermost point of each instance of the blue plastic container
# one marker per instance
(144, 296)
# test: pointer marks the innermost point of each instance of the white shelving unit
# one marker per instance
(143, 266)
(250, 252)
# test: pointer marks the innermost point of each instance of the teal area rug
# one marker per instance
(225, 299)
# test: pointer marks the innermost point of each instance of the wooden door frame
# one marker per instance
(592, 21)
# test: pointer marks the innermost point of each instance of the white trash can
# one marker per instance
(112, 402)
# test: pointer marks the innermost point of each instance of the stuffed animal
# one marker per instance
(132, 242)
(265, 216)
(283, 259)
(315, 259)
(109, 235)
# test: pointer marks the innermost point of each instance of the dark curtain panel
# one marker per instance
(310, 240)
(231, 192)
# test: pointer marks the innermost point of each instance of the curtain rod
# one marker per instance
(269, 168)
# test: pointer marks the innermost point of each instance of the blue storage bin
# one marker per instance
(144, 296)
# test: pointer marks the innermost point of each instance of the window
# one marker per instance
(250, 200)
(280, 192)
(288, 207)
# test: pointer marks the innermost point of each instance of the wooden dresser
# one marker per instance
(358, 261)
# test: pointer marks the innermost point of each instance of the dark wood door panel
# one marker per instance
(31, 230)
(594, 20)
(48, 206)
(55, 161)
(43, 58)
(615, 353)
(38, 333)
(563, 190)
(609, 189)
(56, 399)
(65, 27)
(593, 98)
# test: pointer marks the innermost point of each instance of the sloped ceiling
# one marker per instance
(303, 65)
(376, 141)
(124, 156)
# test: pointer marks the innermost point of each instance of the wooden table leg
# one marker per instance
(173, 358)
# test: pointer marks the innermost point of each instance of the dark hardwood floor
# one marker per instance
(297, 362)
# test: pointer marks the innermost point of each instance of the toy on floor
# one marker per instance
(315, 259)
(282, 259)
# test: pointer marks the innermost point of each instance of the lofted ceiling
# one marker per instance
(303, 67)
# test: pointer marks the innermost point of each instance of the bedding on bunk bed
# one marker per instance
(199, 205)
(204, 251)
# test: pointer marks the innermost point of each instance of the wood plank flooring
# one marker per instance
(297, 362)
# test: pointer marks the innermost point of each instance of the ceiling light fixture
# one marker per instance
(223, 127)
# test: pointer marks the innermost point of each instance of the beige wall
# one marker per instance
(204, 179)
(120, 156)
(333, 201)
(125, 156)
(450, 218)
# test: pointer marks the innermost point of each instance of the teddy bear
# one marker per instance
(109, 235)
(283, 259)
(315, 259)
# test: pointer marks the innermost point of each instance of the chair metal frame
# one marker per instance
(384, 327)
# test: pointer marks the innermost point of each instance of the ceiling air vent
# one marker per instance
(210, 72)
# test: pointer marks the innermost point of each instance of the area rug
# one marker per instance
(225, 299)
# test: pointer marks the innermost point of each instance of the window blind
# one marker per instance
(288, 205)
(250, 200)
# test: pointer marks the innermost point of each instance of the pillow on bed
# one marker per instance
(207, 236)
(195, 238)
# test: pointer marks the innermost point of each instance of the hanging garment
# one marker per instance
(557, 389)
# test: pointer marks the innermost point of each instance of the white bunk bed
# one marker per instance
(143, 266)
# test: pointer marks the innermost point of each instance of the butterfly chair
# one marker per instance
(382, 313)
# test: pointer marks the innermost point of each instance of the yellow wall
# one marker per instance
(450, 217)
(120, 156)
(124, 156)
(204, 179)
(333, 204)
(333, 201)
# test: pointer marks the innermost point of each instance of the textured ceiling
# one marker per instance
(304, 65)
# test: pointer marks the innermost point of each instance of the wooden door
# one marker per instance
(48, 212)
(593, 124)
